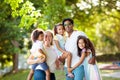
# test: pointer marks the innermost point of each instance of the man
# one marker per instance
(71, 46)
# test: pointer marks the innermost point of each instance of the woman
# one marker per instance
(51, 58)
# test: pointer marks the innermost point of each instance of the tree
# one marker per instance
(97, 18)
(10, 37)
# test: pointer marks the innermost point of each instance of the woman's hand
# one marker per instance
(31, 60)
(40, 60)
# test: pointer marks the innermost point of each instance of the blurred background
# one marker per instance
(99, 19)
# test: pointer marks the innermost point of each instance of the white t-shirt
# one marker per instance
(37, 45)
(51, 58)
(71, 46)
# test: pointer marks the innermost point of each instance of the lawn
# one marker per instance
(22, 75)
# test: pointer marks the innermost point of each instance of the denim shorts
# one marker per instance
(43, 66)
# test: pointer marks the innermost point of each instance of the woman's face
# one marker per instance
(60, 30)
(81, 44)
(48, 37)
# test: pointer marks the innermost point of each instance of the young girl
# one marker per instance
(85, 52)
(59, 41)
(37, 37)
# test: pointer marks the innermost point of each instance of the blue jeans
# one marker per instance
(77, 72)
(40, 75)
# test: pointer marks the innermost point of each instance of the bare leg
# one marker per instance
(62, 58)
(69, 57)
(47, 74)
(57, 62)
(30, 75)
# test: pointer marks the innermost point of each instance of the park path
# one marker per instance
(109, 67)
(114, 74)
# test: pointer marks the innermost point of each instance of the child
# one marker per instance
(85, 52)
(59, 41)
(37, 37)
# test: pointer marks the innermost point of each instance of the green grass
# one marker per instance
(22, 75)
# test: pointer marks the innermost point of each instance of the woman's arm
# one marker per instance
(31, 60)
(80, 62)
(43, 55)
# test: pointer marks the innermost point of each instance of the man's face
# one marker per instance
(68, 26)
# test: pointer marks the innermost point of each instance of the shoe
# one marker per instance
(70, 75)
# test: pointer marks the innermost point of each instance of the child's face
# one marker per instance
(81, 44)
(41, 37)
(60, 30)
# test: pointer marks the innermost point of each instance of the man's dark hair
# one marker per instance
(67, 19)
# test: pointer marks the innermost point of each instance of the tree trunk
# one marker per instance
(15, 63)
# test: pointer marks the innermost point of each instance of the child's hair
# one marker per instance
(55, 28)
(88, 45)
(35, 34)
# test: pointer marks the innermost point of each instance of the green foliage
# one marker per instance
(14, 4)
(52, 14)
(25, 10)
(9, 42)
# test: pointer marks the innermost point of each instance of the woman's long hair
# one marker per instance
(88, 45)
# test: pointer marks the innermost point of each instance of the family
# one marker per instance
(75, 50)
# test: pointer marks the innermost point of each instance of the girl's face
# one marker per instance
(60, 30)
(41, 37)
(81, 44)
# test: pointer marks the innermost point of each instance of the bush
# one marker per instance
(108, 57)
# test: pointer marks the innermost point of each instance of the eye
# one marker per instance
(69, 24)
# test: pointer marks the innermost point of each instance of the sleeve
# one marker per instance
(82, 34)
(40, 45)
(89, 51)
(32, 50)
(83, 50)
